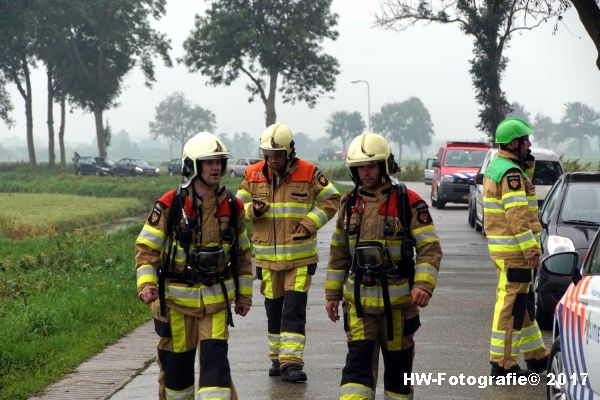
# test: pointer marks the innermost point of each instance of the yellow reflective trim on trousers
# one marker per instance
(268, 282)
(356, 391)
(219, 325)
(184, 394)
(356, 325)
(244, 195)
(300, 281)
(501, 293)
(214, 393)
(388, 395)
(177, 321)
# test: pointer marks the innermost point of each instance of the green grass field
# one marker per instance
(33, 214)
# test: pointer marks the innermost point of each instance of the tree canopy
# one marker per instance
(276, 44)
(579, 122)
(177, 119)
(405, 122)
(344, 126)
(492, 24)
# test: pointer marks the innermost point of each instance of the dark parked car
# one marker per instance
(239, 168)
(174, 167)
(570, 218)
(84, 166)
(135, 167)
(104, 166)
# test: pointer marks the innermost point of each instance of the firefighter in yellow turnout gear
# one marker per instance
(287, 200)
(512, 228)
(373, 270)
(193, 260)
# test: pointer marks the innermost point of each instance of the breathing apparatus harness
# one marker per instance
(372, 261)
(203, 263)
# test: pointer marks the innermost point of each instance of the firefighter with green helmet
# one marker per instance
(373, 270)
(512, 229)
(193, 262)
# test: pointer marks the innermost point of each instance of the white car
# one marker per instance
(574, 362)
(429, 171)
(547, 170)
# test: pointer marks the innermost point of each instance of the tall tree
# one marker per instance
(518, 111)
(344, 126)
(544, 130)
(6, 105)
(106, 39)
(177, 119)
(579, 122)
(491, 23)
(405, 122)
(589, 15)
(276, 44)
(17, 52)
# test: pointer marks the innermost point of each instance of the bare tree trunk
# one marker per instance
(100, 134)
(589, 14)
(50, 120)
(271, 114)
(29, 113)
(61, 133)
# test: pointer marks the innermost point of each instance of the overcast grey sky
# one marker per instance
(430, 62)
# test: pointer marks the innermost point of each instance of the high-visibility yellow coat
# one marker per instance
(152, 245)
(303, 196)
(510, 209)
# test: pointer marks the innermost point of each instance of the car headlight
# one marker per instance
(157, 170)
(138, 169)
(448, 178)
(559, 244)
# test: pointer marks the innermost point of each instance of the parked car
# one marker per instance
(574, 360)
(327, 155)
(455, 164)
(428, 170)
(104, 166)
(135, 167)
(239, 167)
(174, 167)
(547, 170)
(570, 218)
(84, 165)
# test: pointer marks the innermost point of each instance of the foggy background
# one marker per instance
(431, 62)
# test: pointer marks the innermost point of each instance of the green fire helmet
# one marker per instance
(511, 129)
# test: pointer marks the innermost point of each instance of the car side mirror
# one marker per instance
(563, 264)
(479, 179)
(435, 164)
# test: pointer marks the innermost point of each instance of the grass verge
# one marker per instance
(33, 214)
(63, 300)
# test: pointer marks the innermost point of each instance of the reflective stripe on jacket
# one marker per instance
(304, 196)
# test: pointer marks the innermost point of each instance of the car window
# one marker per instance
(582, 202)
(550, 202)
(592, 265)
(546, 172)
(141, 163)
(464, 158)
(255, 160)
(239, 162)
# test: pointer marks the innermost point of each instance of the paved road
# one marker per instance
(453, 339)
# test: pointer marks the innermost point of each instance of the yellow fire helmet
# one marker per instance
(369, 148)
(202, 146)
(277, 137)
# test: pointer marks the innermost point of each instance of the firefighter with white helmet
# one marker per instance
(512, 229)
(287, 200)
(373, 270)
(193, 261)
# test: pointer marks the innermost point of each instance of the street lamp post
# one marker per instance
(368, 102)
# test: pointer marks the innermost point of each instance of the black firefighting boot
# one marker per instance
(275, 370)
(497, 370)
(538, 366)
(293, 373)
